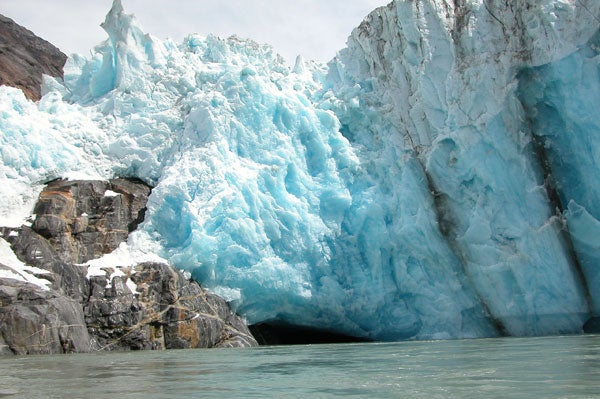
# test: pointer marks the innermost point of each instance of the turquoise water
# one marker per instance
(552, 367)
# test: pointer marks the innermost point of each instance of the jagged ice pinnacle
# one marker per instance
(437, 179)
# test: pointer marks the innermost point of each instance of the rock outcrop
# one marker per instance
(83, 221)
(24, 58)
(145, 306)
(165, 312)
(35, 321)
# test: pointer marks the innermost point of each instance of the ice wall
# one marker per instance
(561, 100)
(445, 77)
(404, 191)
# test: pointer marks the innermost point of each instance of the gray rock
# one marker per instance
(166, 312)
(34, 321)
(32, 249)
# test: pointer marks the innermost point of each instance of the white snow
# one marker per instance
(122, 260)
(18, 270)
(110, 193)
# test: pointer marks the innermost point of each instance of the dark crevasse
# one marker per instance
(285, 334)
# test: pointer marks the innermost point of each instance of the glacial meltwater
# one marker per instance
(549, 367)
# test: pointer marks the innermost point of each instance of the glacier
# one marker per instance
(437, 179)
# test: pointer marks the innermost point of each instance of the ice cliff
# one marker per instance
(437, 179)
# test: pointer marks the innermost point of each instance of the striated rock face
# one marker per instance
(167, 311)
(24, 57)
(145, 306)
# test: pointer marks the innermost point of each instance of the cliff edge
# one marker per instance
(24, 58)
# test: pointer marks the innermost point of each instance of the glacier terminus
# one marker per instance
(439, 178)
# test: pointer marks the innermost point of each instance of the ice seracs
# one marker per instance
(406, 190)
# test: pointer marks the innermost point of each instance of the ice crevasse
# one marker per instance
(437, 179)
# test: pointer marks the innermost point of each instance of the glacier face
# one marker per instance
(562, 99)
(406, 190)
(445, 77)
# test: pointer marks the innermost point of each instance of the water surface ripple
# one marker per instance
(549, 367)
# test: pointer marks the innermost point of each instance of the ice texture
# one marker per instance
(437, 179)
(562, 100)
(446, 78)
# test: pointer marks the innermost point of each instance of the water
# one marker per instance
(553, 367)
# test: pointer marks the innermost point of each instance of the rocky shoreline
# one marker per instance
(145, 306)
